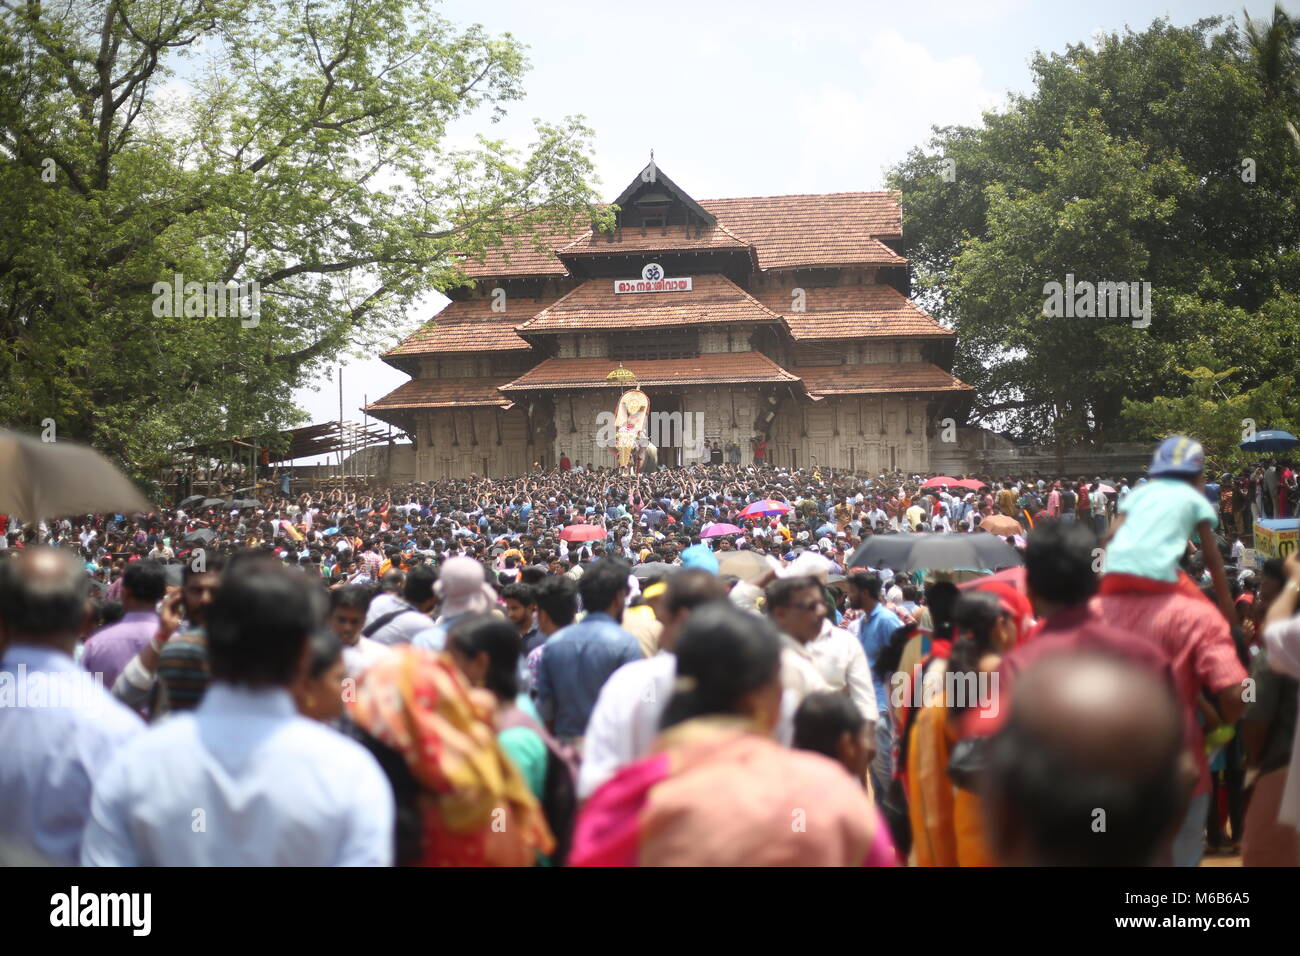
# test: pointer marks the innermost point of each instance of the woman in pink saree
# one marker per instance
(718, 790)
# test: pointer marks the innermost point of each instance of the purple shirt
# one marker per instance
(108, 651)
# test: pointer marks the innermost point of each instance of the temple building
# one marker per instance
(782, 319)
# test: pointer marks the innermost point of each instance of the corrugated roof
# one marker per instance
(709, 369)
(443, 392)
(852, 312)
(821, 381)
(470, 325)
(712, 300)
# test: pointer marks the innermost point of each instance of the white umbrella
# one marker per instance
(48, 479)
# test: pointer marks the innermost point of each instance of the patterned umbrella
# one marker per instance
(765, 507)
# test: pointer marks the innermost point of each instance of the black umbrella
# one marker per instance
(652, 569)
(190, 502)
(201, 536)
(935, 552)
(883, 550)
(242, 503)
(213, 503)
(994, 551)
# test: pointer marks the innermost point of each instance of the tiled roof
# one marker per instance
(656, 239)
(520, 256)
(821, 381)
(443, 392)
(833, 229)
(852, 312)
(470, 325)
(708, 369)
(712, 300)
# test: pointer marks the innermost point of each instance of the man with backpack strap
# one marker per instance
(399, 626)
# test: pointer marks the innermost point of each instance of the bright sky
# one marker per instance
(766, 97)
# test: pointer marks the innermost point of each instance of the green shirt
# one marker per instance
(1159, 517)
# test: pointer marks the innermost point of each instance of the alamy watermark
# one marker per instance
(955, 689)
(683, 430)
(176, 298)
(76, 690)
(1098, 300)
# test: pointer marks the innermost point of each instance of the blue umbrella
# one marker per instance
(1271, 439)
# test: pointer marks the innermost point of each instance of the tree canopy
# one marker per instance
(300, 146)
(1163, 156)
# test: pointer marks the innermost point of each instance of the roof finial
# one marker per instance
(650, 173)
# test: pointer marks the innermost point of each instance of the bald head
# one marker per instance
(1088, 770)
(42, 597)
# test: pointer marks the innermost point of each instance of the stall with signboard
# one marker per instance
(1277, 537)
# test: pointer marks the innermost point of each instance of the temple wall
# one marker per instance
(455, 443)
(836, 438)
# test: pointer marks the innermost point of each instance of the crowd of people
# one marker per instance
(690, 666)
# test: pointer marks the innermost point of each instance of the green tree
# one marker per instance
(308, 154)
(1149, 157)
(1216, 412)
(1274, 49)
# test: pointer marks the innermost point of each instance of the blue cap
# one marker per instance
(699, 556)
(1177, 455)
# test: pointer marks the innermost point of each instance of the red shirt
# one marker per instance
(1194, 637)
(565, 464)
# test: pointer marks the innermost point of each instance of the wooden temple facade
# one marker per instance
(782, 318)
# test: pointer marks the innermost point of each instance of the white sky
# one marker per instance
(766, 97)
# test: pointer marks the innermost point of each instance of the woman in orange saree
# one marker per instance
(946, 814)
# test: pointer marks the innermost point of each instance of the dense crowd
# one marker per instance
(702, 665)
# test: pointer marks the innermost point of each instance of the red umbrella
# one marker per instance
(765, 506)
(938, 481)
(971, 484)
(717, 530)
(583, 532)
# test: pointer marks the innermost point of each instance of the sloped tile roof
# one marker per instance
(712, 300)
(821, 381)
(834, 229)
(656, 239)
(443, 392)
(470, 325)
(520, 256)
(707, 369)
(852, 312)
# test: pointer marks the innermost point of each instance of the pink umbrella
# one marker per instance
(583, 532)
(938, 481)
(971, 484)
(718, 530)
(765, 506)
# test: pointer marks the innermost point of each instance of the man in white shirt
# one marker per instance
(59, 727)
(348, 613)
(843, 665)
(245, 780)
(625, 720)
(797, 608)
